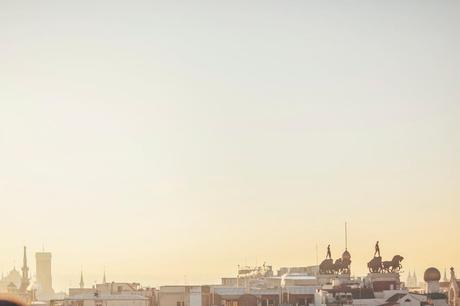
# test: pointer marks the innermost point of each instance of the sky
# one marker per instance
(169, 141)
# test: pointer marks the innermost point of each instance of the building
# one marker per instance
(44, 277)
(13, 277)
(310, 270)
(454, 290)
(184, 296)
(243, 297)
(18, 284)
(113, 289)
(380, 282)
(432, 276)
(229, 281)
(100, 299)
(412, 281)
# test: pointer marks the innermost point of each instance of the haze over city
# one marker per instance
(168, 143)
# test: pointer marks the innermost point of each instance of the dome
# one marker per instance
(346, 255)
(432, 275)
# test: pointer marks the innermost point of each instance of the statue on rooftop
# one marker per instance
(340, 266)
(377, 250)
(328, 254)
(376, 265)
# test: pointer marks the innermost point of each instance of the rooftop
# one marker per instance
(103, 296)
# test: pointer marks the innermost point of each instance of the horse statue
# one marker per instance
(342, 266)
(326, 266)
(375, 265)
(394, 265)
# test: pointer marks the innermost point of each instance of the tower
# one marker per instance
(82, 283)
(44, 280)
(432, 277)
(104, 280)
(25, 273)
(346, 256)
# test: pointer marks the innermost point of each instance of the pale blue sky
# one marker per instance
(166, 139)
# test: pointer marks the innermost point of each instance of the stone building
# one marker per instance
(454, 290)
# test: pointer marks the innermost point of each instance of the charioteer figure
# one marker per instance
(328, 255)
(377, 250)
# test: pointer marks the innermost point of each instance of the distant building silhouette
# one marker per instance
(411, 281)
(44, 277)
(82, 283)
(25, 281)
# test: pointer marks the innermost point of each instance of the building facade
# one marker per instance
(44, 276)
(454, 290)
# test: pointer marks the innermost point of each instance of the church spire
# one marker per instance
(82, 283)
(445, 276)
(104, 280)
(409, 280)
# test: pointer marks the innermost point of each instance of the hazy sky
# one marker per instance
(163, 139)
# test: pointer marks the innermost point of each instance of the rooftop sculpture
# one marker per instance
(376, 265)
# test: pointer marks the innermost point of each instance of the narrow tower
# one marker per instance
(25, 273)
(346, 256)
(104, 280)
(82, 283)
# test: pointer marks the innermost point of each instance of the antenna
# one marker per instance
(346, 237)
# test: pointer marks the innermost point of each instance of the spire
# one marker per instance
(24, 258)
(104, 280)
(445, 275)
(25, 272)
(82, 283)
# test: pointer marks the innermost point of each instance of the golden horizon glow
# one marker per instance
(170, 142)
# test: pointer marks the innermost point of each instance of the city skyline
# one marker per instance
(92, 277)
(161, 140)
